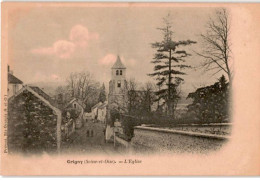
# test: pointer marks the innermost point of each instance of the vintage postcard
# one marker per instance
(130, 89)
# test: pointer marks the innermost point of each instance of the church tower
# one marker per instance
(117, 84)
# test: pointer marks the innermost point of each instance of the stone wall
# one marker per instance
(220, 129)
(161, 140)
(32, 125)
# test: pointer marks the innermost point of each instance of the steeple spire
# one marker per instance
(118, 64)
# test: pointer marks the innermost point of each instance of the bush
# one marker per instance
(210, 104)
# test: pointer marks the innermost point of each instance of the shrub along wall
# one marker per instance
(32, 125)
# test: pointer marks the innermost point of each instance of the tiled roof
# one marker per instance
(118, 64)
(13, 80)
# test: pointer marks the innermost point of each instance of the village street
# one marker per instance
(83, 142)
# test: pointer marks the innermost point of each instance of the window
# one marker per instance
(119, 83)
(75, 106)
(116, 72)
(121, 72)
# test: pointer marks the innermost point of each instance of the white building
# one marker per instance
(14, 84)
(94, 110)
(102, 112)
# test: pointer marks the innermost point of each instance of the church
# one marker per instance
(117, 87)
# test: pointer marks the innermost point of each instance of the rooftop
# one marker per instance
(43, 94)
(13, 80)
(78, 101)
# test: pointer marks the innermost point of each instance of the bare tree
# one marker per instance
(83, 86)
(131, 87)
(148, 96)
(216, 42)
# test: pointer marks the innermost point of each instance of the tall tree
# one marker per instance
(216, 43)
(102, 94)
(169, 64)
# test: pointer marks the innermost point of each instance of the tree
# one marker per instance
(83, 86)
(210, 103)
(59, 95)
(132, 96)
(137, 99)
(147, 97)
(216, 42)
(169, 64)
(102, 94)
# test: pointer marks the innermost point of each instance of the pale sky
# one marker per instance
(48, 43)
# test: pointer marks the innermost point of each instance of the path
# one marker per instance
(82, 141)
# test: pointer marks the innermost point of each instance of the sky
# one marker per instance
(48, 43)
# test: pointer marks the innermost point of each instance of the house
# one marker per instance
(14, 84)
(76, 104)
(101, 112)
(94, 110)
(34, 122)
(87, 116)
(79, 106)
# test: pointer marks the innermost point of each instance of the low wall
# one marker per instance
(159, 139)
(217, 128)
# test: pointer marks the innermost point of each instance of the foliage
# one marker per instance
(139, 99)
(114, 115)
(128, 126)
(169, 63)
(102, 94)
(210, 104)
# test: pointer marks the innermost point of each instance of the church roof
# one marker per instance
(118, 64)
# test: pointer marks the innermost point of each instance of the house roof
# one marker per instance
(42, 93)
(78, 101)
(13, 80)
(102, 105)
(97, 105)
(37, 92)
(118, 64)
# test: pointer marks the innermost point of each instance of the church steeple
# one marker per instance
(118, 64)
(118, 70)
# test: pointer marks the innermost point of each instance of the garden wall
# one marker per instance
(158, 139)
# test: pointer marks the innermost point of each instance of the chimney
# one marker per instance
(9, 71)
